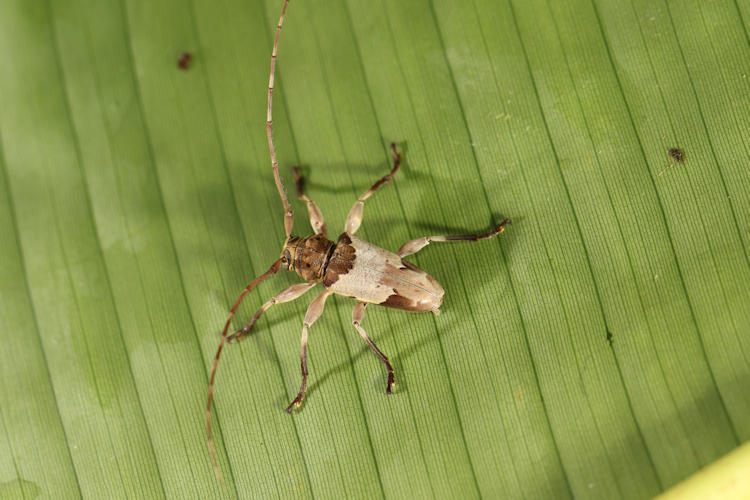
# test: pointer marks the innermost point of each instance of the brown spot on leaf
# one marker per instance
(184, 61)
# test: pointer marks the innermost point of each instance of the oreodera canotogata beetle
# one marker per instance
(350, 267)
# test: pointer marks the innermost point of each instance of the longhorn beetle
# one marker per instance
(350, 267)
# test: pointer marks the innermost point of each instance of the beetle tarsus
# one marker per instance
(498, 229)
(354, 219)
(296, 403)
(358, 314)
(396, 155)
(236, 336)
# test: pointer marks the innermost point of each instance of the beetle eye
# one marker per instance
(285, 259)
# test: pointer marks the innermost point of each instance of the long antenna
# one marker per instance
(288, 215)
(272, 270)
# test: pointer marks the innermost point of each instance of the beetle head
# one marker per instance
(306, 256)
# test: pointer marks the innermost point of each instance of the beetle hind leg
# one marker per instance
(354, 219)
(358, 315)
(414, 246)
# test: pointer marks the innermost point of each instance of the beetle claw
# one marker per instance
(236, 336)
(294, 404)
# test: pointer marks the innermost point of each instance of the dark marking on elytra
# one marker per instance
(677, 155)
(341, 261)
(398, 301)
(408, 265)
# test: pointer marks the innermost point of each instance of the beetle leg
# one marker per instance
(358, 314)
(317, 221)
(414, 246)
(313, 313)
(286, 295)
(354, 219)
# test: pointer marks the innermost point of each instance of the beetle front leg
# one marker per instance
(414, 246)
(286, 295)
(317, 221)
(358, 314)
(354, 219)
(313, 313)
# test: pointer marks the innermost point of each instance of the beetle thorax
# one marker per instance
(307, 256)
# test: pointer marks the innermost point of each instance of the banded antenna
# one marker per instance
(288, 215)
(288, 224)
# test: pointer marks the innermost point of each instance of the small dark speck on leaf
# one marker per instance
(184, 61)
(610, 338)
(677, 155)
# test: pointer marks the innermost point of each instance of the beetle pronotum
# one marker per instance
(350, 267)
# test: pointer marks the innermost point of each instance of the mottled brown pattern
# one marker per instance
(398, 301)
(391, 273)
(413, 289)
(388, 277)
(309, 256)
(341, 261)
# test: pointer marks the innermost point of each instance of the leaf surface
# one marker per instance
(598, 348)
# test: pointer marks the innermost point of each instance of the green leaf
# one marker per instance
(598, 348)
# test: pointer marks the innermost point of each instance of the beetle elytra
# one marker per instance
(349, 266)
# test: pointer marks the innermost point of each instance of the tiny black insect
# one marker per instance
(184, 61)
(677, 155)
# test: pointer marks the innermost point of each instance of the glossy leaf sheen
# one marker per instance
(599, 348)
